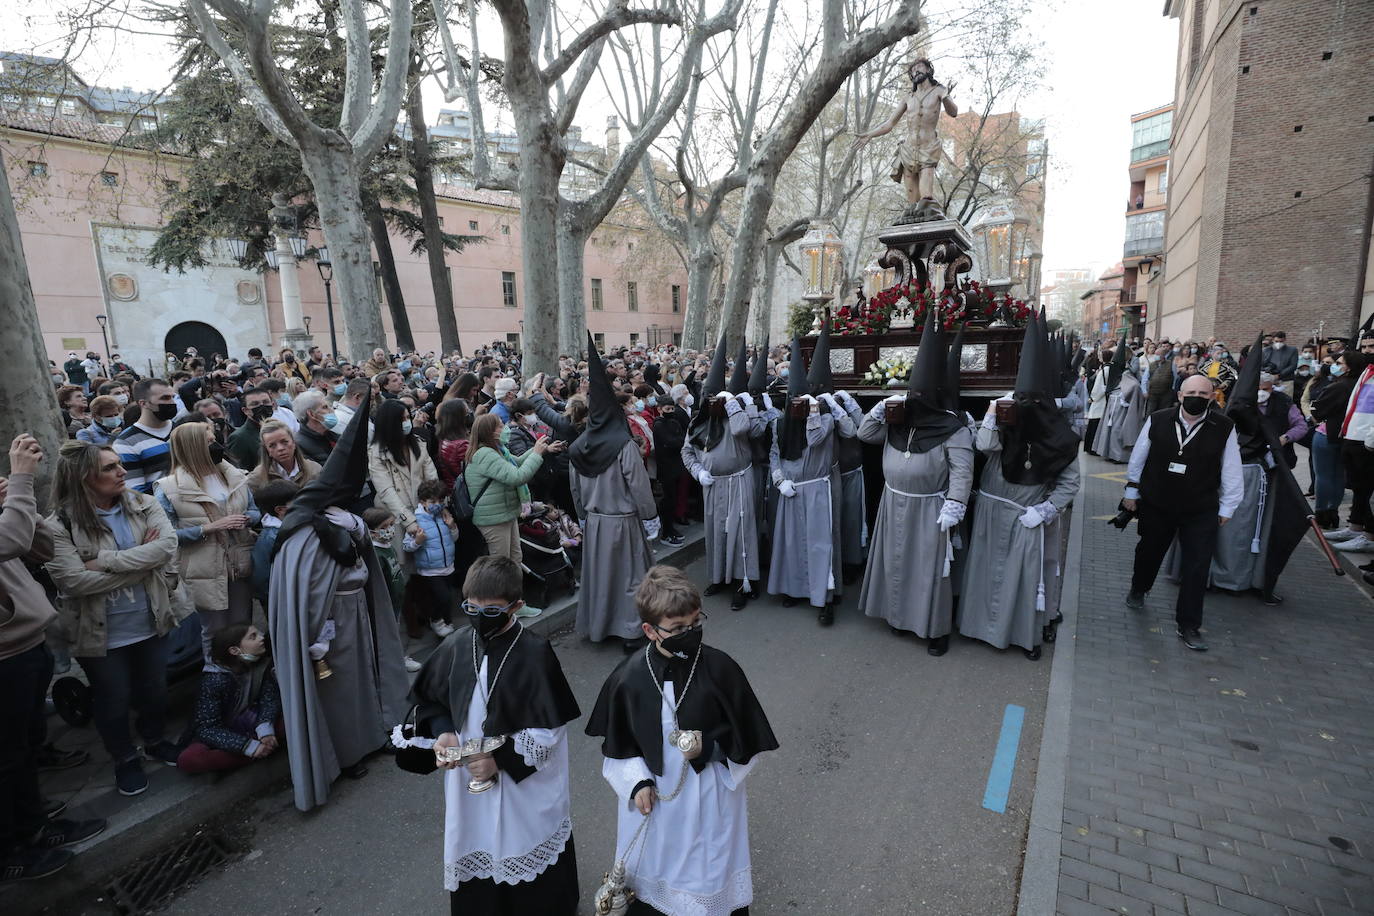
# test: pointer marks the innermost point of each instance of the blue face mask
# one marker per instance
(330, 421)
(284, 400)
(405, 427)
(340, 390)
(404, 366)
(782, 373)
(1337, 370)
(652, 402)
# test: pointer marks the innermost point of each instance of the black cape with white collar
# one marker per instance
(719, 703)
(532, 692)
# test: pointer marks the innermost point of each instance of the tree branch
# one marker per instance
(617, 17)
(357, 65)
(380, 122)
(262, 105)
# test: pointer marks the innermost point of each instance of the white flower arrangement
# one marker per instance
(890, 373)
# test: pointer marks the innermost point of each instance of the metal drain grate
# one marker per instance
(148, 884)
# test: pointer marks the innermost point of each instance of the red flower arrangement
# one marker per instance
(969, 301)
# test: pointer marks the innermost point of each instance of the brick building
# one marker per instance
(1142, 254)
(1102, 317)
(1272, 150)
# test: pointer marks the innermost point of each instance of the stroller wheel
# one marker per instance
(72, 699)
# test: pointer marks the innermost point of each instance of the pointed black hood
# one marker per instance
(1242, 405)
(949, 392)
(792, 431)
(607, 430)
(1052, 361)
(758, 376)
(928, 420)
(1075, 365)
(715, 377)
(818, 380)
(1042, 442)
(339, 484)
(739, 379)
(1117, 367)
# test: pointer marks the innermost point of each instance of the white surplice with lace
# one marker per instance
(513, 831)
(694, 860)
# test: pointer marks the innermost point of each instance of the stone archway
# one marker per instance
(196, 334)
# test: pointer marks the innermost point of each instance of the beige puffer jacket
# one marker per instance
(207, 565)
(83, 591)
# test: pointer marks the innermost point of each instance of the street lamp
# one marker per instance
(1000, 245)
(270, 255)
(298, 245)
(106, 337)
(306, 319)
(238, 249)
(326, 268)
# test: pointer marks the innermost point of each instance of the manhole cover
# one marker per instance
(150, 883)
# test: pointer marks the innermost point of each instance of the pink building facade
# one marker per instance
(87, 211)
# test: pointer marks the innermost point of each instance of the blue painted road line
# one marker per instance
(1004, 761)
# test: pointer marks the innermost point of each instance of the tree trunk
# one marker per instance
(540, 152)
(572, 311)
(28, 403)
(335, 178)
(701, 264)
(420, 159)
(391, 281)
(762, 305)
(748, 241)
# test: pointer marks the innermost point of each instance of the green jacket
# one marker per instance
(500, 501)
(244, 445)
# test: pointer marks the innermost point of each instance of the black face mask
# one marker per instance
(1195, 404)
(487, 627)
(261, 412)
(683, 645)
(216, 452)
(166, 411)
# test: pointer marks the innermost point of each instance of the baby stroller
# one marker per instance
(546, 537)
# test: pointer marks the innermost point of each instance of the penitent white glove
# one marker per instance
(845, 398)
(1031, 518)
(787, 488)
(830, 400)
(704, 477)
(951, 514)
(767, 402)
(651, 528)
(732, 407)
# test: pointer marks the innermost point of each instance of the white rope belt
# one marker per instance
(1040, 530)
(730, 509)
(1259, 516)
(352, 591)
(949, 540)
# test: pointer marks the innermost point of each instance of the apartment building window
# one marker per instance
(1150, 136)
(632, 295)
(69, 106)
(677, 298)
(1144, 233)
(508, 288)
(513, 340)
(38, 169)
(634, 340)
(1163, 179)
(598, 303)
(505, 230)
(677, 338)
(600, 341)
(472, 225)
(109, 179)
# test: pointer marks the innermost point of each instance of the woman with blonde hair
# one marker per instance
(114, 564)
(209, 504)
(281, 459)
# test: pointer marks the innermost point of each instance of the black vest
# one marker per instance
(1198, 488)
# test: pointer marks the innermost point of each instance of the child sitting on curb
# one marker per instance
(238, 714)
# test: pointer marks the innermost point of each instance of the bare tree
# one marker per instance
(333, 155)
(28, 403)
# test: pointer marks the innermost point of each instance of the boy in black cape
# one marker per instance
(508, 849)
(682, 729)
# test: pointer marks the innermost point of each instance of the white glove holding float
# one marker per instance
(787, 488)
(652, 527)
(951, 514)
(704, 477)
(830, 401)
(1031, 518)
(732, 406)
(767, 402)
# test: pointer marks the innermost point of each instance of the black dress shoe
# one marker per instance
(357, 771)
(740, 599)
(1193, 640)
(826, 616)
(714, 588)
(938, 646)
(1047, 633)
(1135, 600)
(52, 807)
(788, 601)
(1271, 598)
(1033, 654)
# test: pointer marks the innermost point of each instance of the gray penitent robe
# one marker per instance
(335, 722)
(732, 542)
(907, 581)
(615, 553)
(1122, 420)
(853, 502)
(1007, 563)
(806, 550)
(1238, 562)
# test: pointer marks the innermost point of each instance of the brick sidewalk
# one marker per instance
(1236, 781)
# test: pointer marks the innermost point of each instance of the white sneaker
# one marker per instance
(1340, 534)
(411, 664)
(1358, 544)
(440, 628)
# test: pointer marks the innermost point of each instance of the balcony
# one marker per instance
(1149, 150)
(1135, 248)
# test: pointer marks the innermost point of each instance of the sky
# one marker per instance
(1107, 59)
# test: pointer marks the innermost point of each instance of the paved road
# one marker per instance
(873, 805)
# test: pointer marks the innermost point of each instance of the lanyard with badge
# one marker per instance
(1179, 467)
